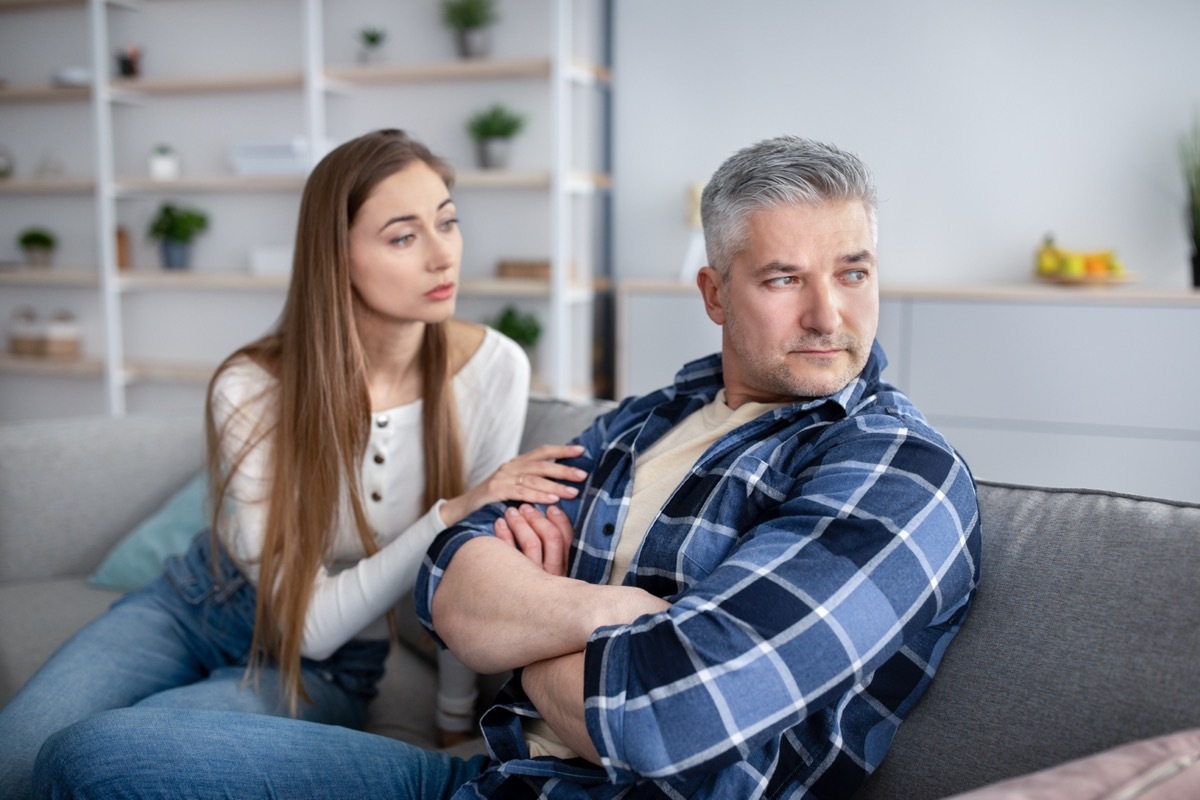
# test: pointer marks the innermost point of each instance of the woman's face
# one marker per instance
(406, 248)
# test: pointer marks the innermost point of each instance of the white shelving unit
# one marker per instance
(135, 322)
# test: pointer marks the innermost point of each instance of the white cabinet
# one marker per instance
(1038, 385)
(210, 78)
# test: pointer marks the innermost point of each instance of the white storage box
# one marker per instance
(271, 260)
(279, 157)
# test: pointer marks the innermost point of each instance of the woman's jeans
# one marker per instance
(178, 754)
(183, 641)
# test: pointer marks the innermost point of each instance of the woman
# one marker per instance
(339, 445)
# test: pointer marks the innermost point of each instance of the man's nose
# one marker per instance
(821, 312)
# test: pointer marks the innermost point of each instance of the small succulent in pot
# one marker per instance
(38, 245)
(492, 129)
(176, 227)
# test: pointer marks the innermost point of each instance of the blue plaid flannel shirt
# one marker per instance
(819, 560)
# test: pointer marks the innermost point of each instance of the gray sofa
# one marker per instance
(1085, 633)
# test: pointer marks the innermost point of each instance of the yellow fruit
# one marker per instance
(1073, 266)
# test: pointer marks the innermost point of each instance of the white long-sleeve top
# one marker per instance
(353, 592)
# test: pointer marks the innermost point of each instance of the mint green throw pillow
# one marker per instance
(138, 558)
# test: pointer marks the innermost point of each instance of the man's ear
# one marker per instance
(709, 283)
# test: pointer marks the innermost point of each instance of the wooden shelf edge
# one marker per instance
(163, 372)
(46, 186)
(44, 94)
(53, 276)
(22, 5)
(212, 183)
(465, 69)
(189, 280)
(37, 365)
(135, 87)
(502, 179)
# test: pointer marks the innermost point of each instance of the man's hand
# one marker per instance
(497, 610)
(545, 539)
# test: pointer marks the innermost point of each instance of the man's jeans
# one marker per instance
(172, 753)
(180, 642)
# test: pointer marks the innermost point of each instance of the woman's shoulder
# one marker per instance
(484, 349)
(241, 379)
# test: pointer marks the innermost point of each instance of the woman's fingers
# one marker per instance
(534, 477)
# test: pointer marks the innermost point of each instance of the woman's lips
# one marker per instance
(443, 292)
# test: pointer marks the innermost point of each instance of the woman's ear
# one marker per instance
(709, 283)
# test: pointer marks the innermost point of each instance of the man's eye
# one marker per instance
(783, 280)
(856, 276)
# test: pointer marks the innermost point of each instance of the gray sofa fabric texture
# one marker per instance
(1084, 635)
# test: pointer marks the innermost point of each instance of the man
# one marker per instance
(772, 555)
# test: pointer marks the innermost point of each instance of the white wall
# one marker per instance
(987, 123)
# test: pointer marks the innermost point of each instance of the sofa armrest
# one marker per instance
(70, 489)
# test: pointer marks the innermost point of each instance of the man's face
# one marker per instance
(800, 304)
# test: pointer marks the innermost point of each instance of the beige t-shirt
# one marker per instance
(657, 473)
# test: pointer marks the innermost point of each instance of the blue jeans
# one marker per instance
(183, 641)
(171, 753)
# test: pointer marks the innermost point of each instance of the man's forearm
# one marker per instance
(497, 611)
(555, 687)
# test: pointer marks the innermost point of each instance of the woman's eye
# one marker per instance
(449, 224)
(403, 240)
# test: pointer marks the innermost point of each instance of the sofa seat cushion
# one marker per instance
(37, 616)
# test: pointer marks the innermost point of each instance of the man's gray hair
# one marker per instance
(786, 170)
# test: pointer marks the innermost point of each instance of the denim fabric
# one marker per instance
(182, 641)
(180, 754)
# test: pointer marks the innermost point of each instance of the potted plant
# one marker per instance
(523, 328)
(492, 129)
(38, 245)
(470, 20)
(370, 41)
(176, 227)
(1189, 157)
(164, 163)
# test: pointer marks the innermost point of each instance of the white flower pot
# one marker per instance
(164, 167)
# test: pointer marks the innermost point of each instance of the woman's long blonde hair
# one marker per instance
(320, 421)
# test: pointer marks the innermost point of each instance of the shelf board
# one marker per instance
(519, 287)
(588, 73)
(47, 186)
(43, 93)
(502, 179)
(36, 365)
(189, 280)
(138, 87)
(167, 372)
(19, 5)
(464, 70)
(211, 183)
(54, 276)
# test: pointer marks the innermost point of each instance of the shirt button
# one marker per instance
(378, 458)
(608, 529)
(376, 496)
(381, 421)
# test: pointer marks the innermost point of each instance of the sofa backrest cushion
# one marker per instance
(552, 421)
(70, 489)
(1084, 635)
